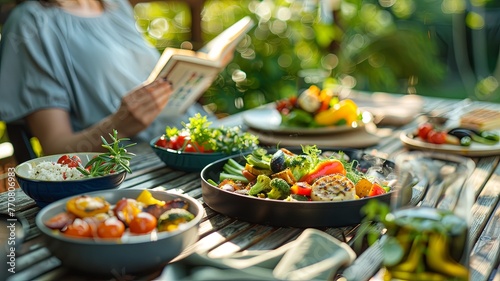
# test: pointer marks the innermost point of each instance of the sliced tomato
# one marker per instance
(176, 142)
(63, 159)
(190, 148)
(71, 161)
(161, 142)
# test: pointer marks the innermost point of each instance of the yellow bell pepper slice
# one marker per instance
(346, 110)
(86, 206)
(147, 199)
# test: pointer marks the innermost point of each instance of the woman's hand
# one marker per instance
(140, 107)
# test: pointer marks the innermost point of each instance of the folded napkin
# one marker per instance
(389, 109)
(357, 138)
(314, 255)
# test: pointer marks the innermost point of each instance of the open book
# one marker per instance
(192, 72)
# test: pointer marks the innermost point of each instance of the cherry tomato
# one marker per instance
(161, 142)
(301, 188)
(60, 220)
(142, 223)
(111, 228)
(71, 161)
(424, 129)
(79, 228)
(436, 137)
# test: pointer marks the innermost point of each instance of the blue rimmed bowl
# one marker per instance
(48, 191)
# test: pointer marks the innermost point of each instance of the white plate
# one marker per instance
(269, 120)
(475, 149)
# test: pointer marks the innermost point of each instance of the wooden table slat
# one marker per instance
(485, 253)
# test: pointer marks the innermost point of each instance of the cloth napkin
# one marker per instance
(314, 255)
(389, 109)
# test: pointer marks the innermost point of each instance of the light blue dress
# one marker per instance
(50, 58)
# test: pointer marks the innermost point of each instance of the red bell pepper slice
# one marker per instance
(301, 188)
(328, 167)
(376, 190)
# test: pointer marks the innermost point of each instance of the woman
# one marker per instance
(73, 69)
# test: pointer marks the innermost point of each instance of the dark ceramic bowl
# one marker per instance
(45, 192)
(296, 213)
(141, 254)
(186, 161)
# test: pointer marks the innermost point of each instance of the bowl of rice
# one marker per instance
(46, 181)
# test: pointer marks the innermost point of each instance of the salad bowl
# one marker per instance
(196, 144)
(187, 161)
(45, 191)
(301, 214)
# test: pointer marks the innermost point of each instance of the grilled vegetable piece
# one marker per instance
(126, 209)
(301, 188)
(171, 219)
(278, 161)
(254, 170)
(60, 220)
(333, 188)
(279, 189)
(85, 206)
(147, 199)
(157, 210)
(309, 100)
(475, 136)
(262, 185)
(300, 165)
(231, 185)
(286, 174)
(363, 187)
(259, 159)
(235, 171)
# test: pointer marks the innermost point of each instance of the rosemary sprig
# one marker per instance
(116, 160)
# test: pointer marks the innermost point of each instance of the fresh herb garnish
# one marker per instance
(116, 160)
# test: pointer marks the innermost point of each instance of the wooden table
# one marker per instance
(221, 234)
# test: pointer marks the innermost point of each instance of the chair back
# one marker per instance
(19, 136)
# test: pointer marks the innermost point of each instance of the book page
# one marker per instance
(188, 79)
(193, 72)
(218, 47)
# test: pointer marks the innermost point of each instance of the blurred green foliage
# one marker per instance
(398, 46)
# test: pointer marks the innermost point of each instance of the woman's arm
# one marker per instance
(138, 110)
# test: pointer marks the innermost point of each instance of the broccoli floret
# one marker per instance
(279, 189)
(262, 185)
(299, 165)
